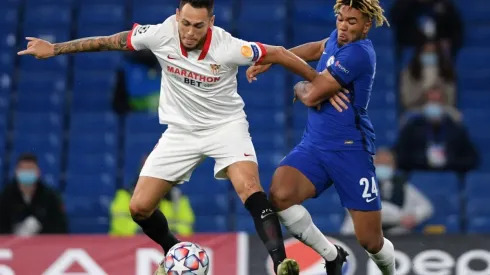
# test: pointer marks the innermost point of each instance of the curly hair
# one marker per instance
(370, 8)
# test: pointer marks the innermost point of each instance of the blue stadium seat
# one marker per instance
(136, 147)
(207, 203)
(329, 223)
(272, 80)
(478, 225)
(383, 119)
(7, 62)
(83, 184)
(244, 223)
(35, 82)
(57, 33)
(35, 3)
(308, 32)
(86, 206)
(451, 223)
(144, 123)
(93, 143)
(8, 39)
(262, 13)
(478, 36)
(9, 18)
(381, 99)
(477, 12)
(106, 29)
(210, 224)
(152, 14)
(274, 34)
(41, 102)
(47, 16)
(269, 140)
(477, 207)
(92, 101)
(93, 14)
(37, 123)
(98, 61)
(224, 15)
(477, 185)
(474, 100)
(10, 3)
(275, 121)
(58, 63)
(96, 165)
(326, 203)
(90, 80)
(94, 123)
(316, 12)
(93, 225)
(381, 37)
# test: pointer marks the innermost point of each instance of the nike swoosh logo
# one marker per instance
(370, 200)
(169, 57)
(247, 155)
(263, 216)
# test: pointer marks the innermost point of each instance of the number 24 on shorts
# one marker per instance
(370, 192)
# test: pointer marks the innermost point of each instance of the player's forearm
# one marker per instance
(306, 92)
(308, 52)
(290, 61)
(116, 42)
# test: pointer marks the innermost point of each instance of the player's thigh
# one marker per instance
(174, 158)
(232, 149)
(353, 174)
(368, 229)
(300, 176)
(147, 196)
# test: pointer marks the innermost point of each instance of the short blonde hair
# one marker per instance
(370, 8)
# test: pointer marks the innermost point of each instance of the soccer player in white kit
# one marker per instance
(204, 113)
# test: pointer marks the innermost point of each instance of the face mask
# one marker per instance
(27, 177)
(433, 111)
(384, 172)
(429, 59)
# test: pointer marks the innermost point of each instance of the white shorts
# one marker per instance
(180, 151)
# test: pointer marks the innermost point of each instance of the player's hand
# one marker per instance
(38, 48)
(255, 70)
(339, 100)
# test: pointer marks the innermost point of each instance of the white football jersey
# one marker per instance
(199, 88)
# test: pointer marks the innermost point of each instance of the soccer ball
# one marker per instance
(186, 258)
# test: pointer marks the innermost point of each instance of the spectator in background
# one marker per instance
(416, 21)
(435, 139)
(29, 207)
(404, 206)
(429, 67)
(138, 84)
(175, 206)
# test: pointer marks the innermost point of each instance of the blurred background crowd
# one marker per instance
(74, 130)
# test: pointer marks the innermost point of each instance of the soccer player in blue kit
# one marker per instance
(338, 143)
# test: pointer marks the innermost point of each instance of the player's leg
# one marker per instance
(232, 148)
(301, 176)
(171, 161)
(354, 175)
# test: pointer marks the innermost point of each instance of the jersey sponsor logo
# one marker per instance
(342, 68)
(330, 61)
(192, 75)
(215, 68)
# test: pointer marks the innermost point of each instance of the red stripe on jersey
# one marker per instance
(183, 50)
(207, 44)
(263, 50)
(130, 35)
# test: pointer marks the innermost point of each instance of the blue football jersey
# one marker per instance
(354, 67)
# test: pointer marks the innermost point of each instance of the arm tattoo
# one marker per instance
(116, 42)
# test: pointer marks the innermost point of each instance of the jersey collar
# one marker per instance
(205, 47)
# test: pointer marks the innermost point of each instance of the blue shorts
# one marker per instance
(352, 173)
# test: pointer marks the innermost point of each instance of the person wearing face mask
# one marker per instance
(29, 207)
(403, 205)
(429, 67)
(435, 139)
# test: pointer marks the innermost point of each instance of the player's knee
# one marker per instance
(140, 210)
(281, 198)
(372, 243)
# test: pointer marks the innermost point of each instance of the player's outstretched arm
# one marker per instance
(313, 93)
(43, 49)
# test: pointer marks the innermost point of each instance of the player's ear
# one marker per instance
(367, 26)
(177, 14)
(211, 21)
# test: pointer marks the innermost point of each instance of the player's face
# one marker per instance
(193, 26)
(352, 25)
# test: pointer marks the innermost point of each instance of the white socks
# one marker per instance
(385, 258)
(299, 223)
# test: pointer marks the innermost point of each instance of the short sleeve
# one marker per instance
(349, 63)
(143, 37)
(240, 52)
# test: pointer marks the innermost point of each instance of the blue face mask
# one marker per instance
(384, 172)
(27, 177)
(433, 111)
(429, 59)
